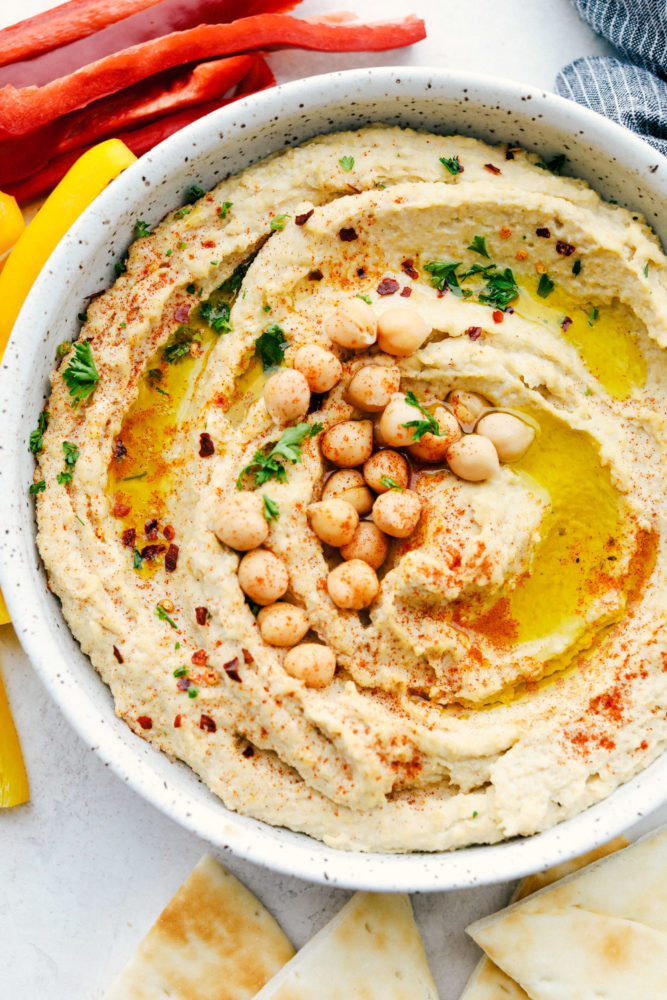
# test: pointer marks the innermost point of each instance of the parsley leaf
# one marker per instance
(216, 315)
(500, 289)
(120, 267)
(479, 246)
(142, 228)
(556, 164)
(270, 345)
(576, 267)
(224, 208)
(81, 376)
(452, 164)
(137, 561)
(390, 483)
(593, 315)
(444, 275)
(194, 193)
(346, 162)
(646, 266)
(232, 284)
(264, 467)
(36, 443)
(271, 508)
(37, 487)
(163, 616)
(182, 212)
(278, 222)
(364, 298)
(71, 453)
(180, 348)
(429, 425)
(545, 287)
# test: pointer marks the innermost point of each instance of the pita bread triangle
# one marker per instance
(213, 941)
(371, 950)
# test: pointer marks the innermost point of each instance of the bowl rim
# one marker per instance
(130, 757)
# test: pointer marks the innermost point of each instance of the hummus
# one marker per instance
(512, 669)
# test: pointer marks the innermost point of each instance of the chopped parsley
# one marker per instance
(71, 453)
(120, 267)
(545, 286)
(192, 692)
(137, 560)
(232, 284)
(182, 212)
(193, 194)
(576, 267)
(264, 467)
(163, 616)
(475, 814)
(555, 165)
(479, 246)
(500, 286)
(364, 298)
(82, 317)
(390, 483)
(500, 290)
(37, 487)
(270, 345)
(180, 347)
(224, 208)
(216, 315)
(346, 162)
(444, 275)
(646, 266)
(63, 349)
(278, 222)
(271, 508)
(266, 308)
(429, 425)
(36, 443)
(452, 164)
(139, 475)
(142, 228)
(593, 315)
(180, 671)
(81, 376)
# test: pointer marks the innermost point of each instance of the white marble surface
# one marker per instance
(86, 866)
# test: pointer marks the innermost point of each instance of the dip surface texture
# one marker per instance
(512, 668)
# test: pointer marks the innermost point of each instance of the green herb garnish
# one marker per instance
(180, 347)
(452, 164)
(193, 194)
(545, 286)
(63, 349)
(646, 266)
(500, 290)
(120, 267)
(82, 317)
(444, 275)
(37, 487)
(479, 246)
(71, 453)
(216, 315)
(555, 165)
(429, 425)
(192, 692)
(364, 298)
(278, 222)
(224, 208)
(182, 212)
(140, 475)
(576, 267)
(390, 483)
(270, 345)
(36, 443)
(81, 376)
(232, 284)
(593, 315)
(271, 508)
(142, 228)
(264, 467)
(180, 671)
(346, 162)
(163, 616)
(137, 560)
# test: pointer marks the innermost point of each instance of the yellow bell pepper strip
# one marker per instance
(81, 184)
(11, 222)
(13, 779)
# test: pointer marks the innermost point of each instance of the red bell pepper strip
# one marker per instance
(30, 107)
(142, 139)
(63, 24)
(130, 108)
(161, 18)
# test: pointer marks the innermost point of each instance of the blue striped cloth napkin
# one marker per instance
(632, 88)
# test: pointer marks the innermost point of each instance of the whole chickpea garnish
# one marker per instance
(467, 406)
(433, 447)
(386, 464)
(263, 576)
(311, 663)
(321, 368)
(287, 396)
(473, 457)
(349, 485)
(333, 521)
(511, 436)
(282, 624)
(353, 585)
(353, 325)
(368, 543)
(240, 521)
(348, 443)
(397, 512)
(401, 330)
(372, 387)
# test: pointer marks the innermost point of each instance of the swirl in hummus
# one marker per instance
(505, 665)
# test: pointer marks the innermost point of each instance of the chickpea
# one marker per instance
(334, 521)
(287, 396)
(473, 457)
(372, 387)
(396, 414)
(368, 543)
(510, 435)
(386, 463)
(311, 663)
(349, 443)
(353, 585)
(349, 485)
(401, 331)
(282, 624)
(321, 369)
(352, 325)
(240, 521)
(467, 406)
(397, 512)
(263, 576)
(433, 448)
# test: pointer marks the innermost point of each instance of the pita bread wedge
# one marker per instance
(213, 941)
(371, 949)
(488, 981)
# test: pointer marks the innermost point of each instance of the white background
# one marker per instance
(87, 865)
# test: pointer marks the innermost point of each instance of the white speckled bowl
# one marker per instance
(616, 163)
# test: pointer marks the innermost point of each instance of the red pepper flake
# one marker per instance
(248, 752)
(117, 653)
(182, 314)
(315, 275)
(121, 509)
(208, 244)
(566, 324)
(207, 724)
(388, 286)
(301, 220)
(361, 272)
(202, 615)
(145, 721)
(183, 683)
(119, 451)
(543, 232)
(199, 658)
(565, 249)
(497, 315)
(406, 292)
(492, 168)
(247, 656)
(171, 558)
(441, 292)
(129, 537)
(347, 235)
(150, 529)
(206, 446)
(474, 332)
(231, 669)
(177, 722)
(169, 532)
(152, 552)
(408, 267)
